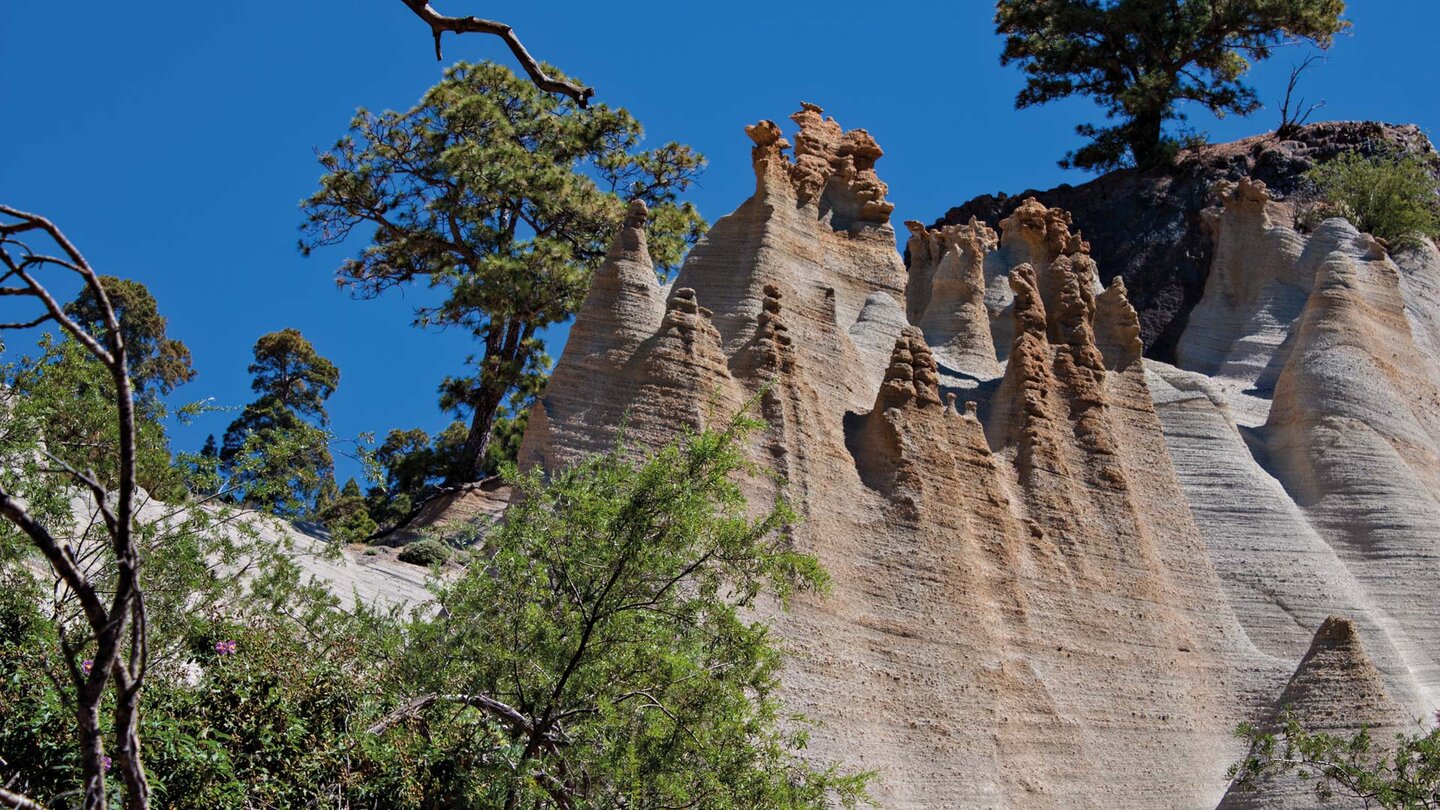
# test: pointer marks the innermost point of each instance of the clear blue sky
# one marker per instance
(173, 143)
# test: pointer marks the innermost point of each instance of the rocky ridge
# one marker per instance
(1148, 226)
(1020, 589)
(1063, 571)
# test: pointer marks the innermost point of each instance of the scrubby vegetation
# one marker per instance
(1398, 774)
(1392, 195)
(601, 648)
(601, 657)
(427, 551)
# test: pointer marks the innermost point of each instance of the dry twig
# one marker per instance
(440, 23)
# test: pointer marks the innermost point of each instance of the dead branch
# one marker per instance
(121, 623)
(440, 23)
(521, 725)
(503, 711)
(1292, 120)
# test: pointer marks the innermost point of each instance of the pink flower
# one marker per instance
(106, 762)
(87, 665)
(225, 647)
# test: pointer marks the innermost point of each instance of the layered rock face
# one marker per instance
(1024, 613)
(1312, 456)
(1336, 690)
(1062, 572)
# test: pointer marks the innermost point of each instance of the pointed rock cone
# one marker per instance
(1022, 415)
(1117, 327)
(683, 377)
(912, 375)
(1336, 690)
(587, 394)
(877, 440)
(625, 303)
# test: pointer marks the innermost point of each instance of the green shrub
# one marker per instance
(1392, 195)
(617, 579)
(425, 552)
(347, 519)
(1396, 773)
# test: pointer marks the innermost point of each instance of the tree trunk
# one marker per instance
(127, 732)
(477, 441)
(91, 751)
(1146, 140)
(500, 371)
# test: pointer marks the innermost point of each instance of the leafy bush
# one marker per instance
(1396, 775)
(620, 593)
(425, 552)
(1390, 195)
(612, 634)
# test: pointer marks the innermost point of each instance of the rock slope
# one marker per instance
(1024, 612)
(1335, 690)
(1063, 571)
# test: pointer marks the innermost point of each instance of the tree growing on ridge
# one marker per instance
(289, 371)
(284, 427)
(503, 197)
(1140, 59)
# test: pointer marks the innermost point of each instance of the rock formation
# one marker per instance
(952, 312)
(1063, 572)
(1322, 418)
(1336, 690)
(623, 309)
(1146, 227)
(1022, 604)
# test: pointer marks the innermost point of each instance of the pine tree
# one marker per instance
(157, 363)
(505, 198)
(1140, 59)
(277, 453)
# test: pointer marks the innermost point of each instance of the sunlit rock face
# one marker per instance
(1338, 690)
(1062, 573)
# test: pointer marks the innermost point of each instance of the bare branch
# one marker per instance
(97, 492)
(52, 307)
(9, 798)
(63, 564)
(26, 324)
(1291, 120)
(108, 626)
(517, 721)
(440, 23)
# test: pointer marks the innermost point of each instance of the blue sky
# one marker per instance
(173, 146)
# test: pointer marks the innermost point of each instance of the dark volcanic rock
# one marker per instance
(1145, 226)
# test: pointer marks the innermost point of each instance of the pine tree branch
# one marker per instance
(440, 23)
